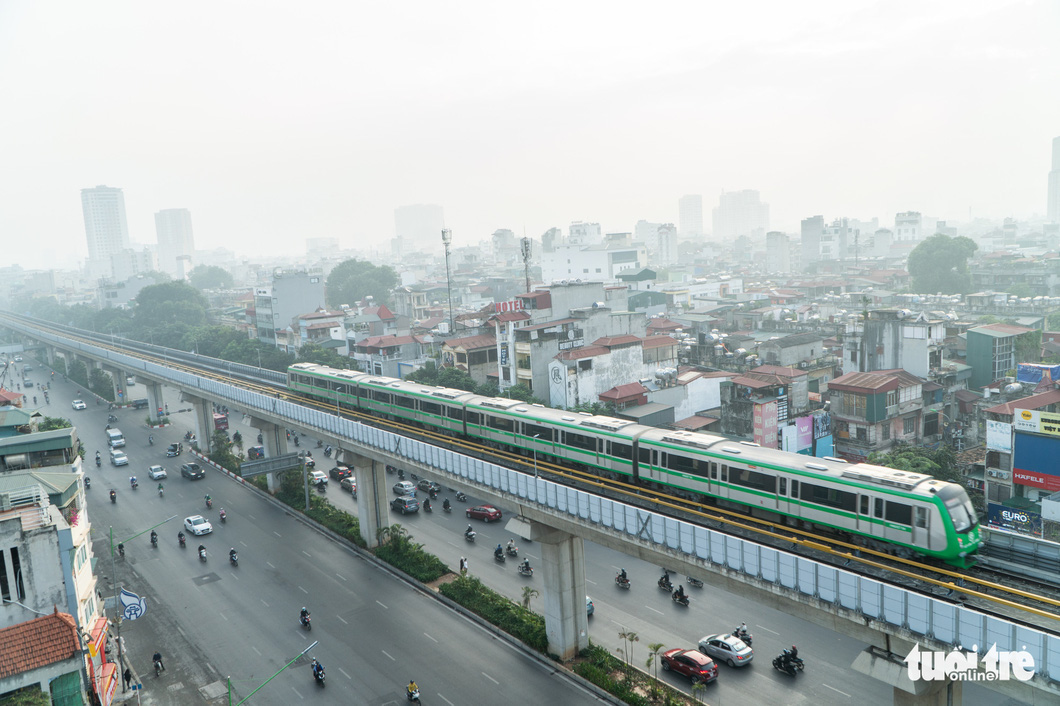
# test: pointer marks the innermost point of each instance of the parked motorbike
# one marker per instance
(88, 482)
(621, 582)
(681, 599)
(694, 582)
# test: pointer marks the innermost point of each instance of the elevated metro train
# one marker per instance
(899, 511)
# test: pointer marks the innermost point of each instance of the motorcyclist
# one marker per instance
(680, 592)
(468, 532)
(209, 500)
(232, 554)
(180, 537)
(446, 505)
(498, 552)
(412, 688)
(622, 576)
(98, 461)
(665, 580)
(154, 537)
(223, 514)
(132, 481)
(525, 565)
(318, 669)
(741, 631)
(427, 504)
(158, 658)
(151, 439)
(113, 495)
(121, 549)
(511, 545)
(160, 488)
(201, 549)
(303, 616)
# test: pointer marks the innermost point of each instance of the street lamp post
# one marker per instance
(447, 239)
(535, 454)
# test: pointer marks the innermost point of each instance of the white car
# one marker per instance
(316, 477)
(156, 473)
(79, 404)
(197, 524)
(18, 359)
(118, 458)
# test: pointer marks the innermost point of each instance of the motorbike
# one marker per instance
(151, 440)
(512, 551)
(318, 675)
(111, 418)
(234, 559)
(182, 540)
(414, 477)
(98, 462)
(296, 441)
(88, 482)
(461, 497)
(621, 582)
(499, 557)
(470, 536)
(447, 507)
(306, 622)
(526, 570)
(154, 541)
(160, 491)
(202, 555)
(158, 667)
(427, 506)
(134, 483)
(224, 516)
(413, 696)
(694, 582)
(261, 439)
(209, 503)
(789, 665)
(746, 636)
(113, 497)
(121, 550)
(319, 443)
(680, 599)
(327, 451)
(665, 584)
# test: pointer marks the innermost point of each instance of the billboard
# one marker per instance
(1036, 422)
(1033, 372)
(999, 436)
(804, 425)
(789, 438)
(1013, 520)
(1034, 461)
(765, 424)
(822, 425)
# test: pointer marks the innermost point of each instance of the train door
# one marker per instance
(864, 521)
(921, 526)
(782, 495)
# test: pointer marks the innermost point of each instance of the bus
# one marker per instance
(220, 422)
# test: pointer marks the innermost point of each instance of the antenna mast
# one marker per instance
(526, 250)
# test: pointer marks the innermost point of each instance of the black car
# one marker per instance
(340, 472)
(193, 471)
(405, 504)
(174, 450)
(428, 485)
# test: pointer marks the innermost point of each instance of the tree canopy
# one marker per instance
(164, 313)
(210, 277)
(940, 264)
(354, 279)
(939, 463)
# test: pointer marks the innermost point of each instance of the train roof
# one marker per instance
(560, 417)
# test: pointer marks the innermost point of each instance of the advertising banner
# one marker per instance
(1034, 461)
(804, 425)
(765, 424)
(1014, 520)
(824, 447)
(789, 438)
(1036, 422)
(822, 425)
(999, 436)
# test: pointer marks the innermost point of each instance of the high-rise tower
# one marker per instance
(176, 244)
(105, 227)
(690, 216)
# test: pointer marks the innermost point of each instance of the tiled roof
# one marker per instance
(583, 352)
(663, 325)
(37, 643)
(616, 340)
(510, 316)
(381, 311)
(9, 397)
(694, 422)
(470, 343)
(1032, 402)
(753, 383)
(878, 381)
(779, 370)
(658, 341)
(999, 330)
(966, 395)
(385, 341)
(622, 392)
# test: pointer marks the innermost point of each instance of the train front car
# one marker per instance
(964, 535)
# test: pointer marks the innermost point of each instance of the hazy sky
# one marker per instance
(277, 121)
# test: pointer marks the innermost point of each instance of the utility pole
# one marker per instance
(447, 240)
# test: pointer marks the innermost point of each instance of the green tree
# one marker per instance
(210, 277)
(939, 463)
(315, 353)
(166, 312)
(102, 384)
(1029, 347)
(940, 264)
(51, 423)
(654, 649)
(353, 280)
(528, 595)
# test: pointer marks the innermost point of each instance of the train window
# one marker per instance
(899, 514)
(685, 464)
(360, 392)
(337, 387)
(621, 450)
(713, 470)
(406, 402)
(644, 455)
(724, 473)
(865, 505)
(455, 413)
(500, 423)
(580, 441)
(430, 407)
(794, 488)
(921, 517)
(474, 418)
(829, 497)
(783, 486)
(542, 433)
(753, 479)
(381, 396)
(879, 508)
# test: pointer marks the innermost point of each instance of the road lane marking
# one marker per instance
(759, 627)
(592, 582)
(383, 604)
(222, 615)
(341, 577)
(387, 654)
(270, 565)
(256, 650)
(836, 690)
(243, 543)
(343, 621)
(277, 533)
(429, 637)
(445, 700)
(657, 611)
(303, 590)
(297, 694)
(344, 673)
(250, 516)
(491, 678)
(264, 603)
(307, 554)
(234, 575)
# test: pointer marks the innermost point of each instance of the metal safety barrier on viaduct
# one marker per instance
(561, 518)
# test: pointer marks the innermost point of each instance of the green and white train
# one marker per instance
(902, 512)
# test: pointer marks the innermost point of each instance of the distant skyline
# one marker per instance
(273, 123)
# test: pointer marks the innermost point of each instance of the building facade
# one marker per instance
(874, 411)
(740, 213)
(176, 243)
(106, 228)
(690, 216)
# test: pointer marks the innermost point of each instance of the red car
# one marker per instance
(691, 663)
(486, 513)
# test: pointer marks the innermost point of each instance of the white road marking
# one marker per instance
(445, 700)
(256, 650)
(250, 516)
(383, 604)
(234, 575)
(429, 637)
(303, 590)
(243, 543)
(836, 690)
(222, 615)
(592, 582)
(344, 673)
(296, 692)
(341, 577)
(387, 654)
(491, 679)
(307, 554)
(759, 627)
(657, 611)
(264, 603)
(270, 565)
(343, 621)
(277, 533)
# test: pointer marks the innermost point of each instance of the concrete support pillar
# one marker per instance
(203, 422)
(373, 500)
(892, 669)
(49, 355)
(117, 382)
(154, 400)
(274, 439)
(563, 573)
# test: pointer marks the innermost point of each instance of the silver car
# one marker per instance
(405, 487)
(728, 649)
